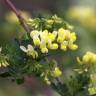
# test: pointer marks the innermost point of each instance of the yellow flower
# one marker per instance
(52, 36)
(49, 40)
(73, 36)
(44, 35)
(92, 90)
(47, 80)
(30, 51)
(53, 46)
(44, 50)
(34, 33)
(73, 46)
(43, 47)
(54, 33)
(89, 57)
(61, 35)
(35, 36)
(36, 41)
(84, 15)
(66, 39)
(67, 35)
(63, 47)
(57, 72)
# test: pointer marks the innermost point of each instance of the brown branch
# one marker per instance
(18, 14)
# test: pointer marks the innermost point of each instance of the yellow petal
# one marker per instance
(44, 50)
(63, 47)
(54, 46)
(57, 72)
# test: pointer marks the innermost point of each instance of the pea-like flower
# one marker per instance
(66, 39)
(88, 58)
(30, 51)
(56, 72)
(35, 36)
(47, 80)
(51, 40)
(44, 40)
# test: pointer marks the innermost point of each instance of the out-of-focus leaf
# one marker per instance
(5, 74)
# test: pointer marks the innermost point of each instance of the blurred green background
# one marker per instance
(80, 14)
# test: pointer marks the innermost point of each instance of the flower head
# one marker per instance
(30, 51)
(57, 72)
(66, 39)
(88, 58)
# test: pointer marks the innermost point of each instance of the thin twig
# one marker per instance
(18, 14)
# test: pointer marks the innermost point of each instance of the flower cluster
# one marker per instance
(88, 64)
(45, 40)
(83, 15)
(88, 58)
(55, 73)
(92, 85)
(66, 39)
(49, 34)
